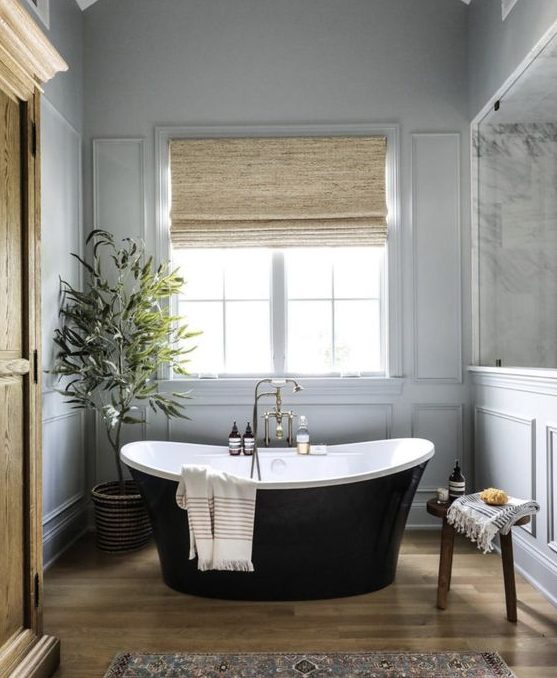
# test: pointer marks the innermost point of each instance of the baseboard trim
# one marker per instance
(538, 570)
(64, 534)
(420, 519)
(42, 661)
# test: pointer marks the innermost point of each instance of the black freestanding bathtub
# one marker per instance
(325, 526)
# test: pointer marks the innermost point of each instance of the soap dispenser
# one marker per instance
(457, 483)
(302, 436)
(248, 441)
(235, 441)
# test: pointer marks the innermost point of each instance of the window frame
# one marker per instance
(392, 296)
(278, 322)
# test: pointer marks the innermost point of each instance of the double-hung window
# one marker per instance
(282, 244)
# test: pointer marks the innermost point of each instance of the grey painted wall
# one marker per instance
(246, 62)
(65, 91)
(497, 47)
(64, 455)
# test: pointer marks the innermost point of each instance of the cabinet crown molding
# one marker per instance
(27, 59)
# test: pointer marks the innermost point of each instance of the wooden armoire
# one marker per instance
(27, 60)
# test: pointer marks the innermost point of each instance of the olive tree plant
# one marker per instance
(117, 333)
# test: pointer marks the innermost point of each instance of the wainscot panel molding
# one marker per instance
(359, 422)
(441, 423)
(506, 454)
(59, 535)
(64, 468)
(551, 466)
(119, 186)
(342, 391)
(62, 222)
(515, 449)
(530, 380)
(104, 458)
(436, 217)
(535, 565)
(64, 442)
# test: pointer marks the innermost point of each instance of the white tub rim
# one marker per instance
(426, 452)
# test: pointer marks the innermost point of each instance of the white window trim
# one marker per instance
(393, 263)
(41, 9)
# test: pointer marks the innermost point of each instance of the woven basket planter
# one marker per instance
(121, 519)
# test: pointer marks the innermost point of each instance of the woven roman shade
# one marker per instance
(278, 192)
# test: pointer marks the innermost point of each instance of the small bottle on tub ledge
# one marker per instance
(457, 483)
(248, 441)
(235, 442)
(302, 436)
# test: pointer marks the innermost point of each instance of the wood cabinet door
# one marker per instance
(20, 514)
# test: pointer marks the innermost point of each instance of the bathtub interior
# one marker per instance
(283, 466)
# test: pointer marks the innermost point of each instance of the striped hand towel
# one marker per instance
(480, 522)
(221, 513)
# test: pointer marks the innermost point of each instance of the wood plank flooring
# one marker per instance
(99, 605)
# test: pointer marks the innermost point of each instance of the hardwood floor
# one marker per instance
(99, 605)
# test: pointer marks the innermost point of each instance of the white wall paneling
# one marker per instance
(118, 207)
(516, 434)
(329, 424)
(64, 452)
(436, 190)
(119, 186)
(63, 474)
(506, 454)
(551, 473)
(105, 468)
(62, 231)
(442, 424)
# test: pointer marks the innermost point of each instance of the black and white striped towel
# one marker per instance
(480, 522)
(221, 514)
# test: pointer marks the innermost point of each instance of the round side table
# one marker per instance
(446, 559)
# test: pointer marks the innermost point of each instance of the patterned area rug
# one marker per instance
(347, 665)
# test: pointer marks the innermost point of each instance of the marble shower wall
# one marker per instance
(517, 240)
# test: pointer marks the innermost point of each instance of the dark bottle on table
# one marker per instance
(248, 441)
(457, 483)
(235, 441)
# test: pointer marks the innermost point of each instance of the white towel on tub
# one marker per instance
(221, 514)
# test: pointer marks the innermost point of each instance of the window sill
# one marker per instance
(317, 390)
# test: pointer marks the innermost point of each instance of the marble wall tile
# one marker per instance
(517, 243)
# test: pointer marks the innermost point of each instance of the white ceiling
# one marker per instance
(87, 3)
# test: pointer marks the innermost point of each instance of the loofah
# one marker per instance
(494, 497)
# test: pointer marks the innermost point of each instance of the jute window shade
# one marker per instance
(278, 192)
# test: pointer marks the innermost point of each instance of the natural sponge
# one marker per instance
(494, 497)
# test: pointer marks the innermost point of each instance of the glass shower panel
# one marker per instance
(517, 221)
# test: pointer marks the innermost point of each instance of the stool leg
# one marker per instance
(445, 564)
(508, 575)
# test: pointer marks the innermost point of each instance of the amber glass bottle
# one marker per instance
(457, 483)
(235, 441)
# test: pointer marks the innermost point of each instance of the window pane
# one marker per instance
(247, 273)
(358, 272)
(202, 270)
(248, 337)
(205, 316)
(309, 273)
(309, 336)
(357, 336)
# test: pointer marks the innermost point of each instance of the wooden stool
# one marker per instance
(446, 559)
